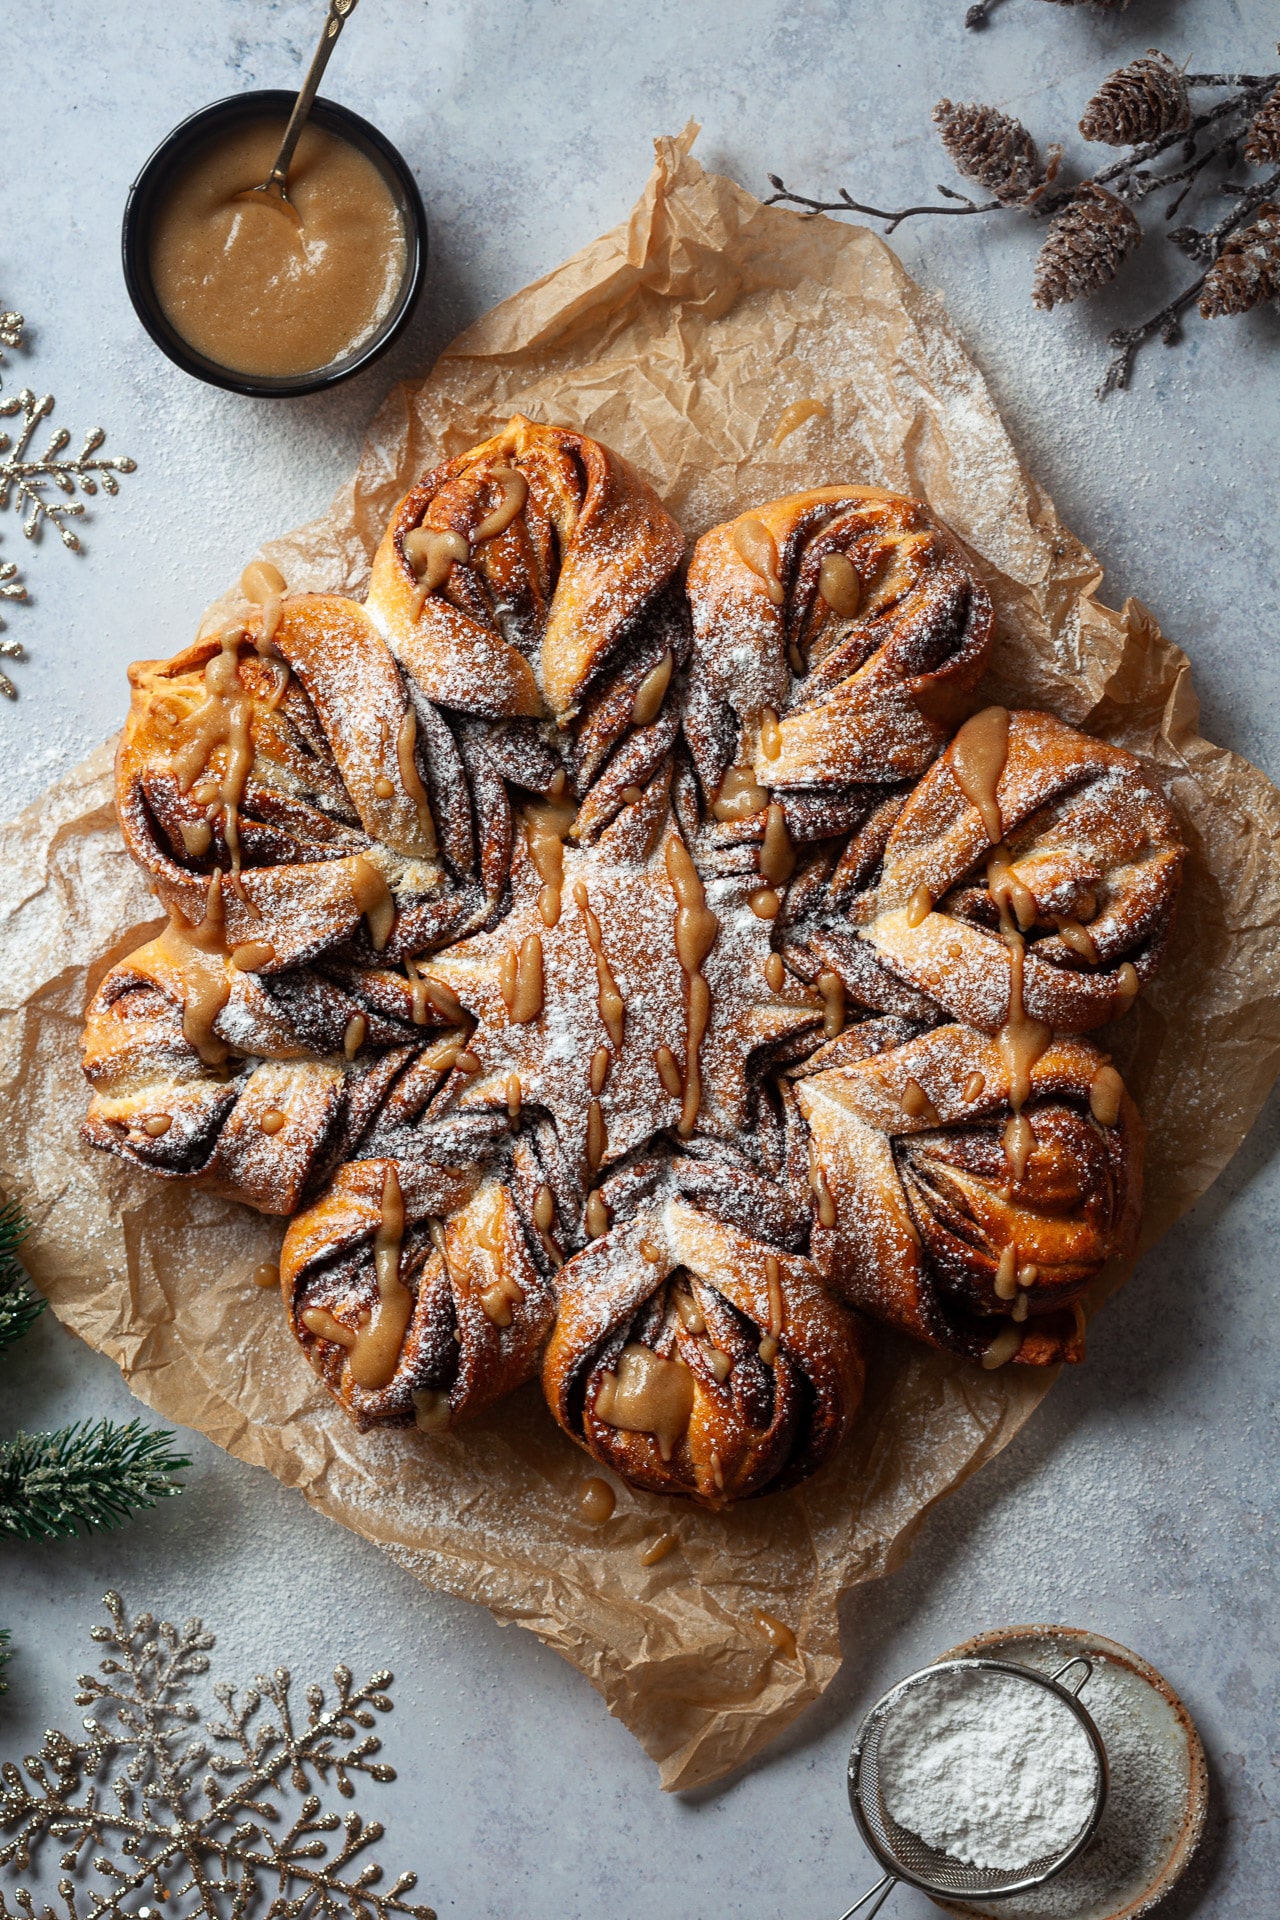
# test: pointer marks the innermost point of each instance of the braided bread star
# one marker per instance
(838, 632)
(924, 1222)
(1026, 826)
(691, 1360)
(631, 986)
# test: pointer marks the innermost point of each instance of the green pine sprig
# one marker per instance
(92, 1475)
(19, 1307)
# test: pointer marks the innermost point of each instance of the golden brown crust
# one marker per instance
(868, 695)
(1089, 853)
(587, 554)
(923, 1204)
(754, 1424)
(480, 1307)
(538, 936)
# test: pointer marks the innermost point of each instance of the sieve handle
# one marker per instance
(882, 1887)
(1077, 1661)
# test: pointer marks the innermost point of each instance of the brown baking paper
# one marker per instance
(679, 339)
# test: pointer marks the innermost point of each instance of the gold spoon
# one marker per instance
(273, 191)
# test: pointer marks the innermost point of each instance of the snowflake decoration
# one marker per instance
(26, 478)
(187, 1822)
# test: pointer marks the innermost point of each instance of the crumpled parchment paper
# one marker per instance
(679, 338)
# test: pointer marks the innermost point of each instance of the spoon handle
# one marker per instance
(339, 13)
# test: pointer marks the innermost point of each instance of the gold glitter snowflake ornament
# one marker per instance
(27, 475)
(199, 1824)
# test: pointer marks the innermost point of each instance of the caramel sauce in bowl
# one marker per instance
(317, 307)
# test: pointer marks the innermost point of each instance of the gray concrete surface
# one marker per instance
(1141, 1501)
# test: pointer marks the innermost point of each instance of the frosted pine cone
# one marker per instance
(1138, 103)
(1262, 148)
(1247, 271)
(1085, 247)
(988, 146)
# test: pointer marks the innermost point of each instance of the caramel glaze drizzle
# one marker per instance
(432, 555)
(1105, 1095)
(919, 906)
(978, 755)
(1021, 1040)
(831, 987)
(407, 760)
(782, 1640)
(773, 1281)
(221, 719)
(823, 1195)
(647, 1394)
(515, 1095)
(739, 796)
(669, 1072)
(1002, 1348)
(596, 1502)
(373, 899)
(974, 1086)
(265, 586)
(200, 956)
(376, 1350)
(652, 691)
(426, 991)
(795, 416)
(839, 584)
(1079, 939)
(917, 1105)
(770, 734)
(777, 863)
(696, 931)
(515, 491)
(520, 980)
(597, 1215)
(601, 1061)
(659, 1549)
(374, 1346)
(505, 1292)
(753, 543)
(613, 1011)
(321, 1322)
(546, 828)
(597, 1137)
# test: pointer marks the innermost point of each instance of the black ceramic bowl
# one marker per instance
(148, 190)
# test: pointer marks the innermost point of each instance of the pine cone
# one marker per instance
(988, 146)
(1247, 271)
(1084, 247)
(1138, 103)
(1262, 148)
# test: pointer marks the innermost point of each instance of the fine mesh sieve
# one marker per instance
(903, 1854)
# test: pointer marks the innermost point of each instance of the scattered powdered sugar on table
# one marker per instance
(995, 1771)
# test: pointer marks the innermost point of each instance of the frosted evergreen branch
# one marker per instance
(89, 1475)
(26, 477)
(19, 1307)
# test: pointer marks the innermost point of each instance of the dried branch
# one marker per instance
(1168, 321)
(783, 196)
(1091, 231)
